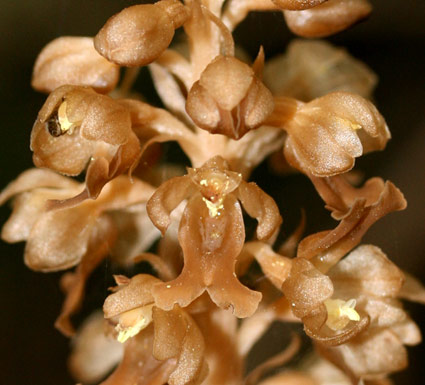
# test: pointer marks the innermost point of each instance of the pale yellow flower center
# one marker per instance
(133, 321)
(65, 124)
(340, 313)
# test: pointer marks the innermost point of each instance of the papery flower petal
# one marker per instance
(260, 206)
(306, 287)
(229, 98)
(219, 328)
(339, 195)
(166, 198)
(34, 178)
(136, 233)
(93, 353)
(368, 270)
(73, 60)
(177, 336)
(136, 293)
(59, 239)
(27, 209)
(327, 134)
(327, 247)
(138, 363)
(328, 18)
(363, 357)
(412, 289)
(322, 67)
(275, 267)
(408, 332)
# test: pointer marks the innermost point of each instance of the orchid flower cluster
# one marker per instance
(193, 321)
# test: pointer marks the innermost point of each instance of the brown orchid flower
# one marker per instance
(327, 134)
(95, 352)
(59, 239)
(75, 127)
(368, 279)
(211, 234)
(326, 19)
(307, 18)
(137, 35)
(170, 352)
(313, 68)
(72, 60)
(311, 291)
(229, 98)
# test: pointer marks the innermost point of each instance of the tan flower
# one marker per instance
(59, 239)
(229, 98)
(75, 127)
(74, 61)
(327, 134)
(211, 234)
(139, 34)
(172, 351)
(328, 18)
(313, 68)
(94, 352)
(368, 277)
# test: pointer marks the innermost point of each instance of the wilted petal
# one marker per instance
(74, 61)
(326, 19)
(260, 206)
(94, 354)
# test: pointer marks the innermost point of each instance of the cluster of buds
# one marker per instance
(211, 294)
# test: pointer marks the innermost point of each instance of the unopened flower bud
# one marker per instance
(229, 99)
(139, 34)
(73, 60)
(327, 18)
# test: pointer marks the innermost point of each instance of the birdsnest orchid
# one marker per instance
(193, 300)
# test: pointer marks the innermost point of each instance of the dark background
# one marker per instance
(391, 42)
